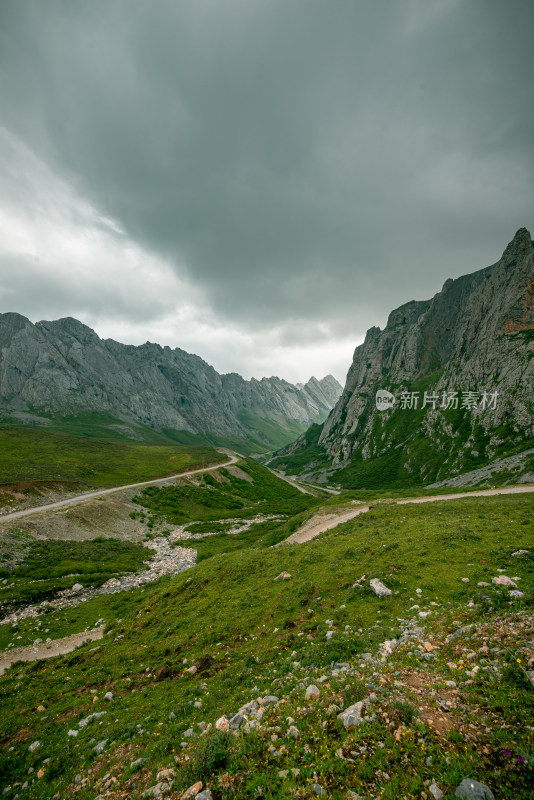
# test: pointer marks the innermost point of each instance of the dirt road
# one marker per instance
(325, 522)
(83, 498)
(57, 647)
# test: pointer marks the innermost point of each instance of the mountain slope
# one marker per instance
(63, 367)
(476, 335)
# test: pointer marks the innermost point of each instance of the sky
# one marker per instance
(257, 181)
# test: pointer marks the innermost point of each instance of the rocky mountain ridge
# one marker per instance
(63, 367)
(460, 370)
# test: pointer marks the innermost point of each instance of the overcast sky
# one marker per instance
(257, 181)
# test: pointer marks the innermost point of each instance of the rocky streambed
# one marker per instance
(167, 559)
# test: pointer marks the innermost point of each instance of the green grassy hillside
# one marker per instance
(249, 635)
(36, 455)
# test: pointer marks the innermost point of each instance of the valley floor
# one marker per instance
(279, 672)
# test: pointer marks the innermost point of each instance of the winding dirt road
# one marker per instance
(83, 498)
(57, 647)
(325, 522)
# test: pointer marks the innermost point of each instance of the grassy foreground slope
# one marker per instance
(32, 455)
(437, 708)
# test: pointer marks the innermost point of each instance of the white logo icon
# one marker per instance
(384, 400)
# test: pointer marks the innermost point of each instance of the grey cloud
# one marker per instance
(307, 162)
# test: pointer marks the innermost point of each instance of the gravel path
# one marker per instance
(325, 522)
(83, 498)
(57, 647)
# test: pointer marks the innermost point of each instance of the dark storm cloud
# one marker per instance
(301, 161)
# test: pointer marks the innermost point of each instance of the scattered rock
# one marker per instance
(521, 553)
(503, 580)
(192, 791)
(236, 722)
(205, 795)
(108, 696)
(222, 724)
(34, 746)
(86, 720)
(268, 700)
(435, 791)
(380, 589)
(166, 774)
(192, 670)
(100, 747)
(352, 716)
(473, 790)
(312, 692)
(77, 588)
(284, 576)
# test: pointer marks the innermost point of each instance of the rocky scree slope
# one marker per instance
(475, 335)
(63, 367)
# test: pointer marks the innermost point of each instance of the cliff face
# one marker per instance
(475, 335)
(63, 367)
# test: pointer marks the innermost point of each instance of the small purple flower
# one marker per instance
(521, 759)
(506, 753)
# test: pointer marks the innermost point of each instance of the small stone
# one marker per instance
(138, 763)
(40, 773)
(40, 708)
(190, 732)
(379, 588)
(77, 587)
(435, 791)
(236, 722)
(205, 795)
(312, 692)
(72, 733)
(108, 696)
(317, 789)
(428, 647)
(284, 576)
(222, 724)
(352, 716)
(473, 790)
(192, 670)
(100, 747)
(465, 580)
(166, 774)
(268, 700)
(329, 634)
(502, 580)
(34, 746)
(352, 795)
(516, 593)
(520, 553)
